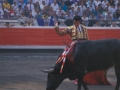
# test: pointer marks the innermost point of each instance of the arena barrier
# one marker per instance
(47, 36)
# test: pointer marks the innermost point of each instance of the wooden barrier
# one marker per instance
(48, 36)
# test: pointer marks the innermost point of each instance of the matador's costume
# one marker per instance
(76, 34)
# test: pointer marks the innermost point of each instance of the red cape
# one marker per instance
(96, 77)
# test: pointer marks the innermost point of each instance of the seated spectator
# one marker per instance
(11, 11)
(22, 18)
(46, 19)
(68, 4)
(29, 21)
(109, 16)
(114, 24)
(105, 11)
(64, 7)
(92, 17)
(34, 12)
(97, 24)
(46, 2)
(100, 16)
(22, 4)
(82, 7)
(37, 6)
(60, 11)
(26, 11)
(75, 6)
(42, 5)
(97, 2)
(62, 16)
(106, 24)
(30, 5)
(38, 15)
(55, 6)
(104, 4)
(15, 6)
(50, 11)
(113, 9)
(68, 16)
(100, 8)
(6, 15)
(15, 16)
(35, 23)
(87, 12)
(84, 17)
(19, 10)
(46, 10)
(79, 11)
(72, 11)
(96, 11)
(85, 20)
(87, 3)
(76, 14)
(54, 17)
(62, 19)
(6, 5)
(91, 7)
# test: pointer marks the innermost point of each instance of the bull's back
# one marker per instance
(97, 54)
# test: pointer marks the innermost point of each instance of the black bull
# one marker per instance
(88, 56)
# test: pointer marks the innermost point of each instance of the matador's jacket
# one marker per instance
(76, 33)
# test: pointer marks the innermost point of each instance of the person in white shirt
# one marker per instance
(30, 5)
(97, 2)
(112, 9)
(19, 10)
(55, 6)
(42, 5)
(82, 7)
(34, 13)
(91, 7)
(75, 6)
(104, 4)
(15, 5)
(58, 12)
(21, 2)
(84, 18)
(68, 16)
(79, 11)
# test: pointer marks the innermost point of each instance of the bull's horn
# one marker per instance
(48, 70)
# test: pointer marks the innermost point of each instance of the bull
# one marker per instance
(88, 56)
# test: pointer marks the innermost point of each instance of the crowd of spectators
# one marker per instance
(45, 12)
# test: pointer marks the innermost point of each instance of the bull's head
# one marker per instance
(55, 78)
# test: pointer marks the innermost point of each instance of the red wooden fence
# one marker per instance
(48, 36)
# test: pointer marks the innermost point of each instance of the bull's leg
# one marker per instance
(117, 71)
(81, 82)
(84, 86)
